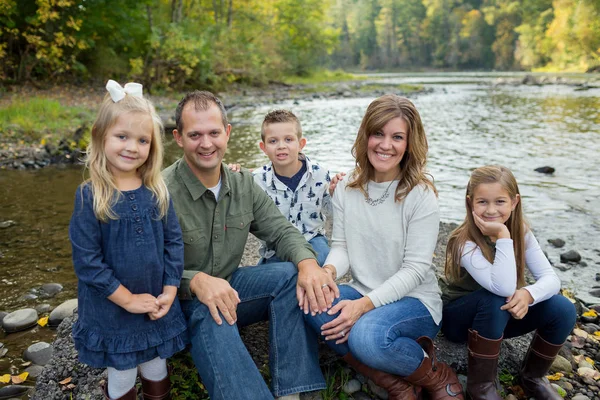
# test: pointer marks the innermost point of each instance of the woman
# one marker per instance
(385, 226)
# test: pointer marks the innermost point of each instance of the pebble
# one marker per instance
(558, 243)
(7, 392)
(562, 392)
(7, 224)
(38, 353)
(545, 170)
(43, 308)
(34, 370)
(51, 289)
(377, 391)
(62, 311)
(561, 364)
(570, 256)
(20, 320)
(562, 267)
(352, 386)
(2, 315)
(595, 292)
(580, 397)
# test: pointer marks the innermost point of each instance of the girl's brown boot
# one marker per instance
(483, 367)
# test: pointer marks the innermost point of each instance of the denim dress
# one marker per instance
(139, 251)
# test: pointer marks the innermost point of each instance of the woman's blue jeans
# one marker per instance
(383, 338)
(267, 292)
(553, 318)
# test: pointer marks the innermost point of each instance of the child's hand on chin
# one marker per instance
(164, 302)
(494, 230)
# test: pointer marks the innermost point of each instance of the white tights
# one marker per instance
(120, 382)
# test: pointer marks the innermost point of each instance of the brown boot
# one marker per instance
(483, 367)
(437, 378)
(131, 395)
(397, 388)
(156, 390)
(535, 366)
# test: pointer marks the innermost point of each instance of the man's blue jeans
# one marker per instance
(553, 318)
(267, 292)
(383, 338)
(320, 245)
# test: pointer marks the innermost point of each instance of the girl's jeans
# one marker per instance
(383, 338)
(553, 318)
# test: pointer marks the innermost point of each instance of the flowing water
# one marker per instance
(469, 123)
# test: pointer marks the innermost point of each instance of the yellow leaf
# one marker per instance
(555, 377)
(16, 379)
(5, 378)
(589, 360)
(43, 321)
(65, 381)
(591, 313)
(597, 333)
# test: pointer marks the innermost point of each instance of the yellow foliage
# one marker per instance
(555, 377)
(44, 320)
(4, 378)
(16, 379)
(591, 313)
(589, 360)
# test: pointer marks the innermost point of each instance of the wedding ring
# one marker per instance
(324, 285)
(343, 333)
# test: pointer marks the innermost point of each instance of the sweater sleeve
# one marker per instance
(173, 253)
(86, 243)
(338, 255)
(499, 277)
(423, 220)
(547, 283)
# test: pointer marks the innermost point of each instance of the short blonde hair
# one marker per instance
(101, 180)
(280, 116)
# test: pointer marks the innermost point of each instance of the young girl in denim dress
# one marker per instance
(485, 294)
(127, 251)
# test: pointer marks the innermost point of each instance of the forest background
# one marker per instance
(176, 44)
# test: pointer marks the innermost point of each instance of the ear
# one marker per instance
(262, 146)
(178, 138)
(515, 201)
(302, 142)
(468, 198)
(228, 132)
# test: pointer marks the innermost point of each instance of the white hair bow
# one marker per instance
(118, 92)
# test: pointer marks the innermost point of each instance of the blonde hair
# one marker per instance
(280, 116)
(468, 231)
(101, 180)
(411, 168)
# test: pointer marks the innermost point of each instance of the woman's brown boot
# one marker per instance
(397, 388)
(535, 366)
(156, 390)
(483, 367)
(437, 378)
(131, 395)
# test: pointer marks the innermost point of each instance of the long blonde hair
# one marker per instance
(412, 166)
(468, 231)
(104, 188)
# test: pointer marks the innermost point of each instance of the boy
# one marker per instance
(298, 186)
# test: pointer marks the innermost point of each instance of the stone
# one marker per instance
(34, 370)
(545, 170)
(377, 391)
(27, 297)
(51, 289)
(352, 386)
(562, 267)
(62, 311)
(14, 391)
(562, 392)
(597, 276)
(565, 385)
(2, 315)
(585, 364)
(7, 224)
(38, 353)
(570, 256)
(43, 308)
(20, 320)
(558, 243)
(510, 397)
(561, 364)
(595, 292)
(580, 397)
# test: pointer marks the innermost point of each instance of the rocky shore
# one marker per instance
(63, 377)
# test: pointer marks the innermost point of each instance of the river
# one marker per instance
(469, 122)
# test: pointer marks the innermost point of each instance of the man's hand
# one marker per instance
(316, 290)
(218, 295)
(518, 304)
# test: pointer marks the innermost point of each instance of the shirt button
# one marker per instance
(139, 230)
(134, 207)
(241, 224)
(137, 219)
(132, 196)
(216, 236)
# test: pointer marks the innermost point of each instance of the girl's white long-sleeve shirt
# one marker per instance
(389, 247)
(500, 277)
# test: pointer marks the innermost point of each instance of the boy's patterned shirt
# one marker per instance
(302, 207)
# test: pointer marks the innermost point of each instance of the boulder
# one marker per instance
(62, 311)
(38, 353)
(20, 320)
(558, 243)
(570, 256)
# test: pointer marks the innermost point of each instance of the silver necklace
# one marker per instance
(381, 199)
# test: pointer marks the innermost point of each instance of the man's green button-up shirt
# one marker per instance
(215, 230)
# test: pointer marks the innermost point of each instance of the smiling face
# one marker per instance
(204, 141)
(492, 203)
(127, 144)
(282, 146)
(386, 148)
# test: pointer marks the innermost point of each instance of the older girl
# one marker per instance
(385, 228)
(127, 251)
(485, 294)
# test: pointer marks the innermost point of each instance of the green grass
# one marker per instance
(36, 118)
(322, 76)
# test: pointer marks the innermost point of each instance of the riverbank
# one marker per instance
(573, 371)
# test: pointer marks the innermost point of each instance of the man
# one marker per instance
(217, 209)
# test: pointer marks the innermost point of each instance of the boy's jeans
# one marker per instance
(383, 338)
(320, 245)
(223, 362)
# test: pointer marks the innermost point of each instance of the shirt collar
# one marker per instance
(193, 184)
(270, 171)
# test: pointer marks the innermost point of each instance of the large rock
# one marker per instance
(62, 311)
(20, 320)
(51, 289)
(38, 353)
(570, 256)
